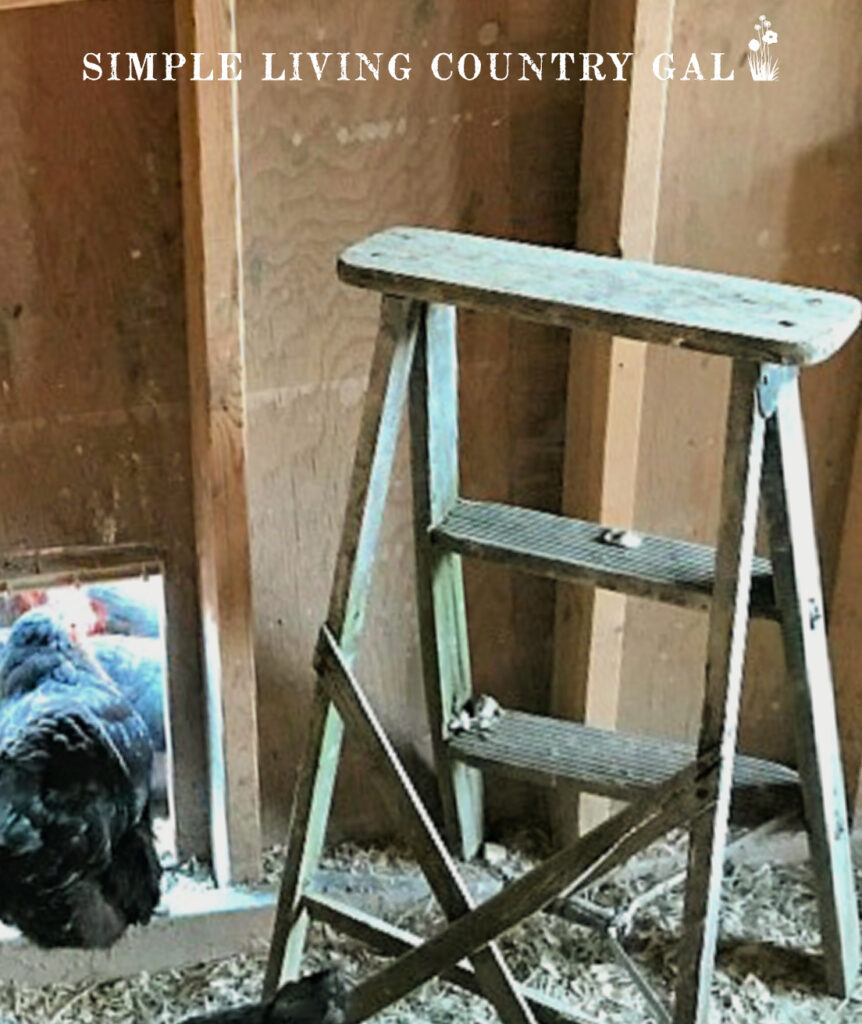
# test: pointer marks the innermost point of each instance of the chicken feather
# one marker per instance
(77, 861)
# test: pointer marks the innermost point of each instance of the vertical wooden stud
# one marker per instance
(845, 631)
(213, 270)
(618, 215)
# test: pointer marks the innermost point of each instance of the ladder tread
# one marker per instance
(545, 750)
(675, 571)
(730, 316)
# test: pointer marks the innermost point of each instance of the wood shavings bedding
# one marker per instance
(768, 968)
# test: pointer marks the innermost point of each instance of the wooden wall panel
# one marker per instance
(759, 179)
(93, 381)
(323, 164)
(94, 425)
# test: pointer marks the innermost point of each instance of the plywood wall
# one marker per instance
(93, 382)
(323, 164)
(759, 179)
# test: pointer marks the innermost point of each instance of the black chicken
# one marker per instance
(135, 665)
(316, 999)
(77, 861)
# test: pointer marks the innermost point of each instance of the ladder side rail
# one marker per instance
(728, 626)
(382, 408)
(440, 600)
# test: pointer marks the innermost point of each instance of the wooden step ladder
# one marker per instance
(769, 331)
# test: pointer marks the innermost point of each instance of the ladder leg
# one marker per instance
(308, 820)
(725, 656)
(385, 397)
(439, 580)
(384, 402)
(798, 591)
(497, 983)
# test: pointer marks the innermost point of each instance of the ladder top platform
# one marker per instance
(716, 313)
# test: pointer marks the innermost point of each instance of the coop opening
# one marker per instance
(119, 623)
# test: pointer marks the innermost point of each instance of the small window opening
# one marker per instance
(120, 622)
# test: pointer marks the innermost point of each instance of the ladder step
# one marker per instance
(729, 316)
(675, 571)
(549, 751)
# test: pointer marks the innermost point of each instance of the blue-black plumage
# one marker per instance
(77, 859)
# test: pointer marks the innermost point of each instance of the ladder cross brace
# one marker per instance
(769, 331)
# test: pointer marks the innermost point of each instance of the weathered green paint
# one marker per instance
(787, 493)
(446, 883)
(439, 580)
(755, 323)
(728, 625)
(739, 317)
(563, 548)
(384, 402)
(577, 866)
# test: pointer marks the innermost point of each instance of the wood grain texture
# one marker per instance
(778, 196)
(787, 492)
(440, 600)
(357, 558)
(309, 818)
(573, 550)
(845, 628)
(198, 927)
(623, 134)
(688, 309)
(569, 870)
(552, 752)
(402, 799)
(725, 656)
(215, 332)
(94, 415)
(74, 564)
(325, 163)
(521, 167)
(391, 940)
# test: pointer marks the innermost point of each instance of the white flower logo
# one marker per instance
(763, 67)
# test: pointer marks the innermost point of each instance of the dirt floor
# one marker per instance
(769, 965)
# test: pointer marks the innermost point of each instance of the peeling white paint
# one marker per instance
(365, 131)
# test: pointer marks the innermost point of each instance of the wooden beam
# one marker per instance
(683, 308)
(725, 657)
(382, 407)
(793, 545)
(191, 927)
(440, 599)
(14, 5)
(76, 564)
(497, 983)
(214, 301)
(845, 630)
(390, 940)
(623, 137)
(575, 867)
